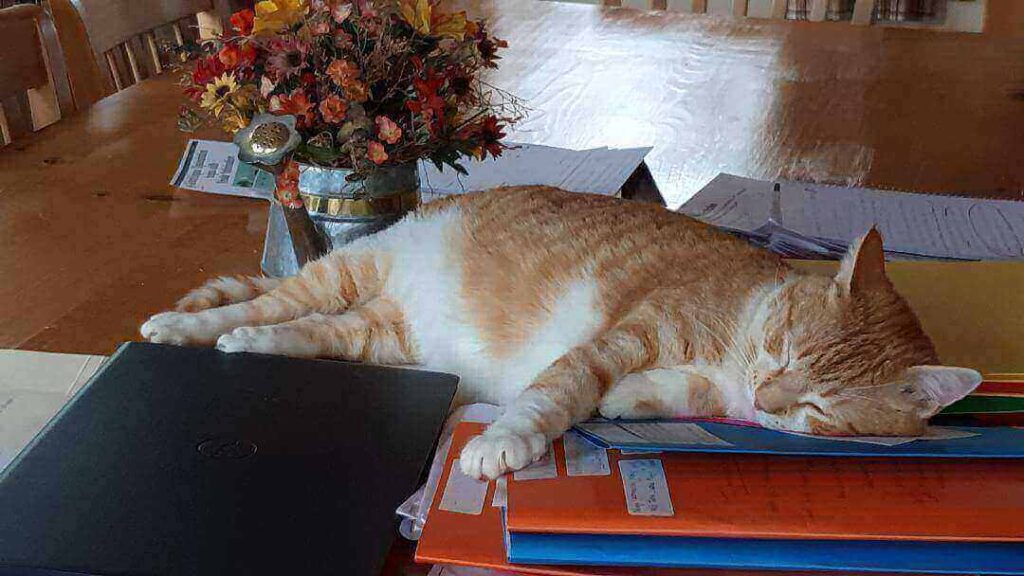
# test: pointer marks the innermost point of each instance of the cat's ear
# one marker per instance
(863, 267)
(942, 385)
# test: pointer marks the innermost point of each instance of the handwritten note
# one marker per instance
(584, 458)
(643, 482)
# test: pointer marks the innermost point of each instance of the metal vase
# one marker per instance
(340, 211)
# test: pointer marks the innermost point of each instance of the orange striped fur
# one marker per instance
(558, 305)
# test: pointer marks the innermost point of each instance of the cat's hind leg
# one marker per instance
(226, 290)
(329, 285)
(662, 393)
(375, 332)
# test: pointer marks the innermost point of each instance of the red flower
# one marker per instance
(486, 136)
(307, 78)
(287, 186)
(333, 109)
(427, 101)
(207, 69)
(375, 152)
(241, 21)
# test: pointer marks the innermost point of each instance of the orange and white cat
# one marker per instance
(558, 305)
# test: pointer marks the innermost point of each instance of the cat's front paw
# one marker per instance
(493, 453)
(175, 328)
(268, 340)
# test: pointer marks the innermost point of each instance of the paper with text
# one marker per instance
(463, 494)
(213, 166)
(646, 489)
(584, 458)
(831, 217)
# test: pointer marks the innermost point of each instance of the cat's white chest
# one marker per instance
(426, 279)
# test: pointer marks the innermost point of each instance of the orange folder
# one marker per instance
(478, 540)
(761, 496)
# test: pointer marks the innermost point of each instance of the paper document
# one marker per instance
(213, 166)
(596, 171)
(34, 386)
(814, 221)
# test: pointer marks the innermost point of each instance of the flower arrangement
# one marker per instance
(368, 83)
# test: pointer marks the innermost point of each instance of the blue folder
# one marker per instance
(724, 553)
(989, 442)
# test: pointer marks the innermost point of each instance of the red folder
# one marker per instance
(478, 540)
(759, 496)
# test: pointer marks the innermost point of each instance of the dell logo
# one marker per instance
(225, 448)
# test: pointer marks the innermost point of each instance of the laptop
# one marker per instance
(183, 461)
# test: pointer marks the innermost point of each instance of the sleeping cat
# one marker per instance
(558, 305)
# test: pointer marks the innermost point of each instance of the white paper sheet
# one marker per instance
(34, 386)
(213, 166)
(921, 225)
(597, 171)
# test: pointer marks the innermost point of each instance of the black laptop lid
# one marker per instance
(193, 462)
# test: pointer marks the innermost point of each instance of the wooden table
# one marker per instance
(95, 239)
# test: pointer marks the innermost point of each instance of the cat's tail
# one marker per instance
(226, 290)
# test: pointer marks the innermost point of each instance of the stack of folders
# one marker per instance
(999, 401)
(689, 497)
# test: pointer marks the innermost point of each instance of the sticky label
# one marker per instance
(583, 458)
(463, 494)
(539, 470)
(646, 490)
(677, 433)
(500, 498)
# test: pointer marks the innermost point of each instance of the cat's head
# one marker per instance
(846, 355)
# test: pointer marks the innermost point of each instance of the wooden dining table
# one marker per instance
(94, 239)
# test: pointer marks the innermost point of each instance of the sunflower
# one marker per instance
(218, 93)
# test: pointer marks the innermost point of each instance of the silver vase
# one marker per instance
(341, 211)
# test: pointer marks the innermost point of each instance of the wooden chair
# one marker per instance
(34, 88)
(111, 44)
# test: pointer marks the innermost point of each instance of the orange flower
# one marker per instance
(287, 186)
(233, 55)
(296, 103)
(387, 130)
(342, 71)
(375, 152)
(333, 109)
(356, 91)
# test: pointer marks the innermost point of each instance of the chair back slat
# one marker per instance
(34, 89)
(113, 22)
(17, 116)
(122, 38)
